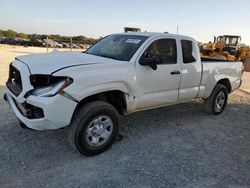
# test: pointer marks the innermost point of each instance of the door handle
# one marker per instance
(175, 72)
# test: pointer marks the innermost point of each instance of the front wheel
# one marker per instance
(94, 128)
(22, 124)
(216, 102)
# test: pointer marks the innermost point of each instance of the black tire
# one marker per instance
(84, 117)
(22, 124)
(210, 103)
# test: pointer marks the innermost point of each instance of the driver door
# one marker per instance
(159, 87)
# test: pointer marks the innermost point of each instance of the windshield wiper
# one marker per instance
(103, 55)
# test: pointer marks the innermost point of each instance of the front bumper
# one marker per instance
(57, 110)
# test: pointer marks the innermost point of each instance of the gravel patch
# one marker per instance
(175, 146)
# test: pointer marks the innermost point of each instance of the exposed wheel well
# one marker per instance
(226, 83)
(115, 98)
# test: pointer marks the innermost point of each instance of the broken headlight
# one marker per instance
(48, 86)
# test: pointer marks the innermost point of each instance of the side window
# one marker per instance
(188, 51)
(165, 49)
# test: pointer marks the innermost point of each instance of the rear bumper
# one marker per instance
(57, 110)
(239, 83)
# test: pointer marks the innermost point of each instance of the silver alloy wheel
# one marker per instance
(220, 101)
(99, 131)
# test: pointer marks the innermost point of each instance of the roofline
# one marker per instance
(153, 34)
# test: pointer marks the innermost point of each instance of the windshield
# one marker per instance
(120, 47)
(231, 41)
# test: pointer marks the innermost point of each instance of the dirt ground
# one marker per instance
(174, 146)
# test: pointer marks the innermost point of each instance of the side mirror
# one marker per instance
(150, 60)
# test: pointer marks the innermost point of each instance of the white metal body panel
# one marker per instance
(48, 63)
(191, 74)
(156, 87)
(215, 71)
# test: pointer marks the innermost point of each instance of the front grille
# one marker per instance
(14, 82)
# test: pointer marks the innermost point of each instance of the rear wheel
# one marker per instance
(94, 128)
(216, 102)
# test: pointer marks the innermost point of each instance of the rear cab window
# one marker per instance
(189, 53)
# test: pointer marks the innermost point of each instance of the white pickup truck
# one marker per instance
(119, 75)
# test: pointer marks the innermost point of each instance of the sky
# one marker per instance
(201, 19)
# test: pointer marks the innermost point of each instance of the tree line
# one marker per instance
(58, 38)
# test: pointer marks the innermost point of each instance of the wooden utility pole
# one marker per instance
(71, 45)
(47, 46)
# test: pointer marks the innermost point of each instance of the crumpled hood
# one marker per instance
(51, 62)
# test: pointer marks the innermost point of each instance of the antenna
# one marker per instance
(177, 31)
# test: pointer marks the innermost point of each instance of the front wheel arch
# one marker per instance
(115, 97)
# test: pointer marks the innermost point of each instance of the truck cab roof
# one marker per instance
(154, 34)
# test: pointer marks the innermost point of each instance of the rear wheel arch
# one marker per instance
(226, 83)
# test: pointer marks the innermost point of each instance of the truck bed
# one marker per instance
(206, 59)
(214, 70)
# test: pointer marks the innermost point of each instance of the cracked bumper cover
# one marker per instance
(58, 111)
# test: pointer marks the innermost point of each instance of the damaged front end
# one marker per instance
(47, 85)
(39, 101)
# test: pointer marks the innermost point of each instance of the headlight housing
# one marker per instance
(48, 86)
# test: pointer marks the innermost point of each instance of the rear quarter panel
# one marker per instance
(216, 71)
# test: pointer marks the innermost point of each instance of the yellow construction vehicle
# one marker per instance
(226, 47)
(245, 57)
(131, 29)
